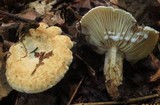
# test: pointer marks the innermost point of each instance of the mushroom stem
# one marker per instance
(113, 71)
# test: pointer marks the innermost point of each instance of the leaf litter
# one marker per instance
(140, 80)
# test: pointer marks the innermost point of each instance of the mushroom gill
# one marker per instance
(116, 34)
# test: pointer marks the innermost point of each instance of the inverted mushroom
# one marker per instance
(40, 60)
(116, 34)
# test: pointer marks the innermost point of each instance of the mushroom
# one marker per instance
(40, 60)
(116, 34)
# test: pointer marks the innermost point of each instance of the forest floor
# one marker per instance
(84, 83)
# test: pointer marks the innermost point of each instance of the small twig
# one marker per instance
(91, 70)
(16, 17)
(132, 100)
(34, 50)
(73, 95)
(100, 103)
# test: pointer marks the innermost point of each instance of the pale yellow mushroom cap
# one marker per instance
(40, 60)
(105, 27)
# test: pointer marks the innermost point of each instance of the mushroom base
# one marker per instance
(113, 71)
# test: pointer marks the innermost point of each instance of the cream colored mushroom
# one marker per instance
(40, 60)
(116, 34)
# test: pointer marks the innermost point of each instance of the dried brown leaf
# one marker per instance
(158, 1)
(53, 18)
(2, 54)
(155, 64)
(41, 56)
(29, 14)
(119, 3)
(156, 76)
(4, 86)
